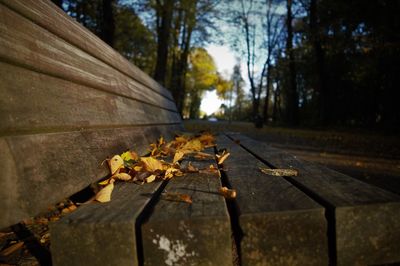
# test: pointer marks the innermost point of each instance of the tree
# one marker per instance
(164, 12)
(107, 23)
(291, 96)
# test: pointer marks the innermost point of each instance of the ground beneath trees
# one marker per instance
(368, 156)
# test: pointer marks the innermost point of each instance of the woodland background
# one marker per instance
(319, 63)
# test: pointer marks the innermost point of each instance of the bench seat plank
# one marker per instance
(56, 104)
(179, 233)
(43, 169)
(280, 224)
(102, 233)
(27, 44)
(366, 219)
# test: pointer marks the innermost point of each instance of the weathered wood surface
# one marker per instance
(67, 101)
(366, 218)
(280, 224)
(102, 233)
(179, 233)
(26, 44)
(42, 169)
(48, 16)
(34, 102)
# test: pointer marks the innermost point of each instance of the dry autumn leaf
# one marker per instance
(279, 172)
(122, 176)
(175, 196)
(116, 163)
(104, 195)
(221, 158)
(227, 193)
(11, 249)
(193, 145)
(150, 178)
(151, 164)
(178, 155)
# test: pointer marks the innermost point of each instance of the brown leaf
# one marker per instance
(4, 234)
(203, 156)
(69, 209)
(151, 164)
(175, 196)
(171, 172)
(116, 163)
(191, 169)
(122, 176)
(178, 155)
(221, 158)
(280, 172)
(104, 195)
(227, 193)
(193, 145)
(150, 178)
(11, 249)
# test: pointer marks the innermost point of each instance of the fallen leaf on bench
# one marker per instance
(151, 164)
(207, 139)
(150, 178)
(104, 195)
(11, 249)
(116, 163)
(122, 176)
(221, 158)
(45, 238)
(69, 209)
(175, 196)
(171, 172)
(190, 168)
(203, 156)
(129, 158)
(178, 155)
(193, 145)
(227, 193)
(279, 172)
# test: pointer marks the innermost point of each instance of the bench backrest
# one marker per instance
(67, 101)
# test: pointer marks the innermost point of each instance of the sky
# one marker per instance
(225, 60)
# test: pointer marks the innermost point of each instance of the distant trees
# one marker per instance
(309, 62)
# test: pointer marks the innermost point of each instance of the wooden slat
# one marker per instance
(27, 44)
(34, 102)
(42, 169)
(366, 218)
(280, 224)
(179, 233)
(48, 16)
(102, 234)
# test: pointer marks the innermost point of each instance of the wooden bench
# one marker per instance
(68, 101)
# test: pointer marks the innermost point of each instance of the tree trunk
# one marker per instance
(291, 112)
(268, 85)
(107, 24)
(164, 18)
(319, 66)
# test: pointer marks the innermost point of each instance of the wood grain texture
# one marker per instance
(366, 218)
(280, 224)
(43, 169)
(27, 44)
(34, 102)
(178, 233)
(47, 15)
(102, 234)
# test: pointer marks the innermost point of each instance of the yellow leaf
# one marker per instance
(150, 179)
(178, 155)
(207, 139)
(221, 158)
(151, 164)
(122, 176)
(138, 168)
(279, 172)
(129, 155)
(227, 193)
(104, 195)
(193, 145)
(116, 163)
(105, 182)
(171, 172)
